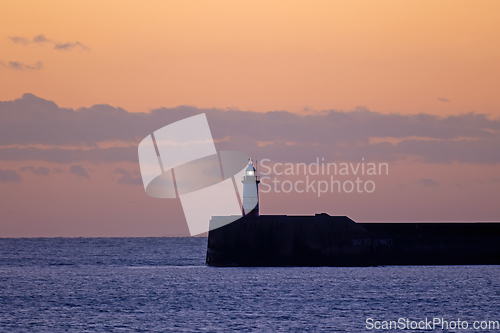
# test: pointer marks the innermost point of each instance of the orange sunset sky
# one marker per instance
(390, 56)
(411, 83)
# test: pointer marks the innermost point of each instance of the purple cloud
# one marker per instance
(9, 176)
(129, 177)
(21, 66)
(70, 45)
(65, 156)
(428, 182)
(332, 134)
(40, 171)
(19, 40)
(42, 39)
(79, 171)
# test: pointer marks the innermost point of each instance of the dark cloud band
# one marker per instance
(280, 135)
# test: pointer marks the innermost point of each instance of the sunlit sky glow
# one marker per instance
(411, 83)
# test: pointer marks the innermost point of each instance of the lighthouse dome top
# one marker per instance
(250, 166)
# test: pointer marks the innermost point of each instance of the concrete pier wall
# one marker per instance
(323, 240)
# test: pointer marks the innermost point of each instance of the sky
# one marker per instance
(413, 84)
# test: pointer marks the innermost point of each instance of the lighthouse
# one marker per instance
(250, 191)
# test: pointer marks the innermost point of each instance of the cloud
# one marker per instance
(74, 136)
(68, 155)
(130, 177)
(79, 171)
(41, 39)
(69, 46)
(19, 40)
(40, 171)
(443, 99)
(9, 176)
(43, 122)
(428, 182)
(20, 66)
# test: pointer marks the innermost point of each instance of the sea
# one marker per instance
(163, 285)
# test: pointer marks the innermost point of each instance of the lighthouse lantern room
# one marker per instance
(250, 191)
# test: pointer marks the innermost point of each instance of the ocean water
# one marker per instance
(163, 285)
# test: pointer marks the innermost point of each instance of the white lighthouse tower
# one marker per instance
(250, 191)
